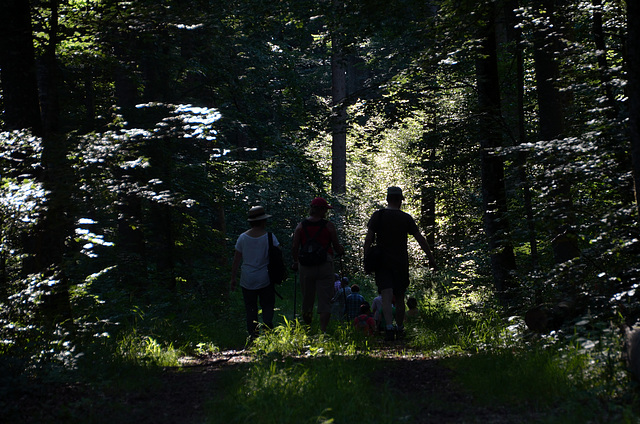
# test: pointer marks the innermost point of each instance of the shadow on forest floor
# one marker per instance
(179, 395)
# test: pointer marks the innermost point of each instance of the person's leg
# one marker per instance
(400, 308)
(384, 281)
(251, 308)
(401, 283)
(324, 291)
(267, 303)
(308, 290)
(387, 310)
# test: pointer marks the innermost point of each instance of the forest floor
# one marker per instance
(180, 395)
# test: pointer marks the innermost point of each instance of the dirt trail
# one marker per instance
(180, 394)
(424, 379)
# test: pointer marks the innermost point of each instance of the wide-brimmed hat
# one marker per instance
(257, 213)
(320, 202)
(395, 191)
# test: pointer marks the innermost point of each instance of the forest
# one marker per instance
(136, 135)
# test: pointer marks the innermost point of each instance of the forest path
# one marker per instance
(184, 390)
(179, 395)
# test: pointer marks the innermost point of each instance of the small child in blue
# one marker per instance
(353, 302)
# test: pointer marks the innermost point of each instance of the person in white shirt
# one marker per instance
(252, 251)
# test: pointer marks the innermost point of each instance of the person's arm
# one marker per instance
(424, 244)
(295, 248)
(339, 249)
(368, 240)
(237, 259)
(371, 234)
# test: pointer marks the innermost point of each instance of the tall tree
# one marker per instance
(492, 164)
(18, 67)
(49, 73)
(514, 43)
(601, 55)
(552, 106)
(633, 91)
(338, 102)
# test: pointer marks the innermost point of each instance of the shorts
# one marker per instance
(317, 281)
(396, 278)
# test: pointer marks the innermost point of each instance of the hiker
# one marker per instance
(315, 241)
(378, 316)
(337, 284)
(412, 309)
(364, 321)
(389, 229)
(353, 302)
(339, 300)
(251, 251)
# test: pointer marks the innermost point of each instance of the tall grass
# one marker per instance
(146, 351)
(293, 338)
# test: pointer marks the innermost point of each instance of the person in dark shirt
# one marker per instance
(389, 228)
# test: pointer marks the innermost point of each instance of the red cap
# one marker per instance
(319, 202)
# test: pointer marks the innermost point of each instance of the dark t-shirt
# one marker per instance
(392, 228)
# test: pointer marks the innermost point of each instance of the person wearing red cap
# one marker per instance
(389, 229)
(315, 241)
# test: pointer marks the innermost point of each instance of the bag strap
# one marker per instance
(270, 241)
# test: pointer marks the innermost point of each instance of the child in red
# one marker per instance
(365, 322)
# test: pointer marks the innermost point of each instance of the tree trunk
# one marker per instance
(515, 38)
(551, 106)
(633, 91)
(428, 193)
(45, 245)
(339, 107)
(603, 65)
(493, 185)
(49, 78)
(18, 67)
(56, 227)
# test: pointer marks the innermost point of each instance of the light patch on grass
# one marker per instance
(293, 339)
(146, 351)
(311, 390)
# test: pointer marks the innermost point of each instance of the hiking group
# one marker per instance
(314, 249)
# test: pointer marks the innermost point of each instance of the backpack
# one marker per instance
(276, 267)
(312, 252)
(375, 255)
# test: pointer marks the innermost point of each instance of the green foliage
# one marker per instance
(235, 105)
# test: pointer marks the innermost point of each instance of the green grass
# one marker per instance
(314, 390)
(293, 338)
(535, 377)
(558, 386)
(300, 375)
(146, 351)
